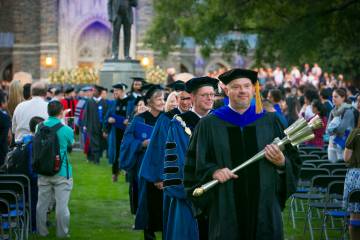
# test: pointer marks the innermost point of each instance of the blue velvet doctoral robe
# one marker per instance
(179, 222)
(131, 150)
(115, 134)
(151, 170)
(131, 155)
(152, 167)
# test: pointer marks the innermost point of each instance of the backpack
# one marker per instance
(46, 158)
(17, 159)
(356, 115)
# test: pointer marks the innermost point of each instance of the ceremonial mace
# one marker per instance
(299, 132)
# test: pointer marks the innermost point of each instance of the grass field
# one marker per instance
(100, 209)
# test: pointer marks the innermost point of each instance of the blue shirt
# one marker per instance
(66, 137)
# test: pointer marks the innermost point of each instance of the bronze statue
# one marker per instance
(120, 14)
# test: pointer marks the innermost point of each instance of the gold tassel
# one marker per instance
(258, 102)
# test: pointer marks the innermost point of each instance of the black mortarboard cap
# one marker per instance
(177, 85)
(121, 86)
(98, 88)
(236, 73)
(198, 82)
(86, 88)
(138, 79)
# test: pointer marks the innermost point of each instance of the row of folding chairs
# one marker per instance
(15, 206)
(309, 194)
(329, 209)
(309, 149)
(326, 165)
(317, 188)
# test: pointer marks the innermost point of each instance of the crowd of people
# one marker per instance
(172, 139)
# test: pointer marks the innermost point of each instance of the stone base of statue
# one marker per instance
(115, 71)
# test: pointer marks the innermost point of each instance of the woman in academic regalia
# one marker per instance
(135, 142)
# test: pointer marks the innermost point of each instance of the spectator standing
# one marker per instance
(27, 91)
(296, 75)
(15, 96)
(325, 95)
(340, 123)
(316, 71)
(292, 109)
(319, 110)
(60, 184)
(262, 76)
(306, 69)
(275, 97)
(278, 76)
(310, 95)
(36, 106)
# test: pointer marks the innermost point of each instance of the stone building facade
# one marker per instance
(72, 33)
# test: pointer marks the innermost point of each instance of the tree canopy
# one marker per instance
(289, 32)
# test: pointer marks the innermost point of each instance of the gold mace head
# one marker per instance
(198, 192)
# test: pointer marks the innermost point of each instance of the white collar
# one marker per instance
(97, 99)
(192, 109)
(135, 94)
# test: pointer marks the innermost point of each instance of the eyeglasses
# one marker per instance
(207, 95)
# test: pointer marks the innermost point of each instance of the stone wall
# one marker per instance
(35, 27)
(6, 31)
(26, 51)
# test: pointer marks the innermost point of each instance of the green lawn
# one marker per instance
(100, 209)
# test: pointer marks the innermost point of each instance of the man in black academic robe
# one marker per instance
(115, 125)
(94, 114)
(248, 206)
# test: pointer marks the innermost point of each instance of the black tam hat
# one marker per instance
(177, 85)
(196, 83)
(151, 89)
(237, 73)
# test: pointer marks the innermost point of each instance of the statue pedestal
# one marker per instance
(120, 71)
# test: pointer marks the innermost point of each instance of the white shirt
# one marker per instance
(35, 107)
